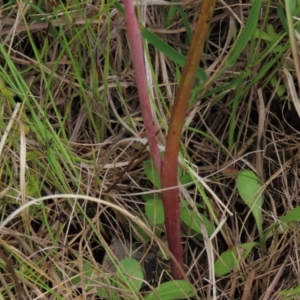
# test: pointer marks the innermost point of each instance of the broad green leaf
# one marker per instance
(131, 270)
(147, 197)
(193, 220)
(155, 211)
(227, 260)
(152, 173)
(186, 180)
(250, 190)
(293, 5)
(291, 216)
(171, 290)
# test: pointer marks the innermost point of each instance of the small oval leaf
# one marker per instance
(132, 270)
(187, 180)
(152, 174)
(226, 262)
(193, 220)
(155, 211)
(171, 290)
(250, 190)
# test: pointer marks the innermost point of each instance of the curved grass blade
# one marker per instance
(246, 34)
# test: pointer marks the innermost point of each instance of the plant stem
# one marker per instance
(169, 174)
(135, 42)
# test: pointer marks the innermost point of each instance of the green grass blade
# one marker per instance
(246, 34)
(169, 51)
(170, 17)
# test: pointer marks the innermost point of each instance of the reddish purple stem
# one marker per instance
(170, 197)
(135, 42)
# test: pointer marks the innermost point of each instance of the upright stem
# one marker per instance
(168, 169)
(169, 174)
(135, 42)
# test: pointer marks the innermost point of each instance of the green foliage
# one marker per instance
(186, 180)
(4, 91)
(228, 260)
(131, 271)
(165, 48)
(129, 277)
(152, 174)
(272, 39)
(291, 216)
(246, 34)
(194, 219)
(32, 186)
(283, 223)
(154, 206)
(155, 218)
(171, 17)
(290, 294)
(250, 190)
(155, 211)
(141, 236)
(154, 178)
(280, 88)
(185, 203)
(169, 51)
(172, 290)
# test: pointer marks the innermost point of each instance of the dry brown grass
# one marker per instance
(91, 105)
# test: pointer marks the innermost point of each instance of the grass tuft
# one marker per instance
(72, 147)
